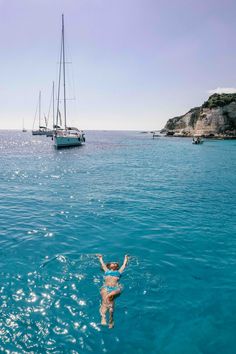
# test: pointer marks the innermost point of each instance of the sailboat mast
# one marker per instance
(58, 92)
(53, 106)
(64, 69)
(39, 107)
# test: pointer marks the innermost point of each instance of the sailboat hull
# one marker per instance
(42, 132)
(49, 133)
(39, 132)
(67, 141)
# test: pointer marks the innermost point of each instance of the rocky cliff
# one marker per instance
(215, 118)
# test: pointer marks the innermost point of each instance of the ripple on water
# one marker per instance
(167, 203)
(53, 306)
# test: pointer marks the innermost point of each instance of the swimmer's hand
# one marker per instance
(104, 267)
(126, 258)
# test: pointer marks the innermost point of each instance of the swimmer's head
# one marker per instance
(113, 265)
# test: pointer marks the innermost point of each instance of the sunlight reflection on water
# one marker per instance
(167, 203)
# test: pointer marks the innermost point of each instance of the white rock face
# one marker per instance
(205, 121)
(209, 122)
(215, 121)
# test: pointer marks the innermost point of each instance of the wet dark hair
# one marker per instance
(109, 265)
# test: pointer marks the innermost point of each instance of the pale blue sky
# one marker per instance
(135, 63)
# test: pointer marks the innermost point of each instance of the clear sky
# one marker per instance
(135, 63)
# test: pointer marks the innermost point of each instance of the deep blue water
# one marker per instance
(166, 202)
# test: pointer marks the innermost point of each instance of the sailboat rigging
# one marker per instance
(64, 136)
(52, 102)
(42, 130)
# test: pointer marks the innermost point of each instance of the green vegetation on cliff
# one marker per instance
(194, 116)
(219, 100)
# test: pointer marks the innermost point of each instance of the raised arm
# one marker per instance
(124, 263)
(103, 265)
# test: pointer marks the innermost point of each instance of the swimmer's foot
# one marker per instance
(103, 321)
(111, 324)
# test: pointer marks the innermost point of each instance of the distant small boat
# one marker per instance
(197, 141)
(66, 136)
(23, 129)
(155, 135)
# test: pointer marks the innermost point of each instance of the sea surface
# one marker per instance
(167, 203)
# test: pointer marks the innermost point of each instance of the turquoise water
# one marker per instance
(166, 202)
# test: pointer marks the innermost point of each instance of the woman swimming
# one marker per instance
(111, 288)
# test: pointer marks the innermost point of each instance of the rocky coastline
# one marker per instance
(215, 119)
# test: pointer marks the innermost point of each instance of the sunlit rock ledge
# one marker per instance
(216, 118)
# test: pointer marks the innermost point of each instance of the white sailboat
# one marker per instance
(65, 136)
(42, 130)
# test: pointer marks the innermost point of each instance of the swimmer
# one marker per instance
(111, 288)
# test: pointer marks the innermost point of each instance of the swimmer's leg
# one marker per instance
(111, 313)
(103, 310)
(103, 307)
